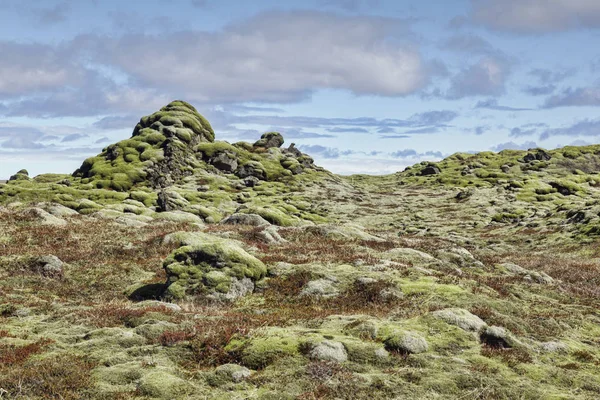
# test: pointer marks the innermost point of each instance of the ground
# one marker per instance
(410, 286)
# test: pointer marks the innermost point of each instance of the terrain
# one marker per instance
(175, 266)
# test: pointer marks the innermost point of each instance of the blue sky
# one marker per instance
(364, 86)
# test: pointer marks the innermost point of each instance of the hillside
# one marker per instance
(174, 266)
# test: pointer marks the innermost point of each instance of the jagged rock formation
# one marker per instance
(176, 142)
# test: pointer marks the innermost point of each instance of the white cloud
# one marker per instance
(276, 57)
(535, 16)
(484, 78)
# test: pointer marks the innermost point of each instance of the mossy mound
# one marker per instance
(159, 152)
(206, 265)
(177, 142)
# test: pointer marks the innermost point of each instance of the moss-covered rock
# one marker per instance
(159, 152)
(207, 265)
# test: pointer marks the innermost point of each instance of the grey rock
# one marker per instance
(45, 218)
(233, 372)
(270, 235)
(496, 336)
(170, 200)
(270, 139)
(430, 170)
(320, 288)
(58, 210)
(224, 161)
(532, 276)
(406, 342)
(554, 347)
(461, 318)
(245, 219)
(252, 168)
(238, 288)
(49, 266)
(251, 181)
(329, 351)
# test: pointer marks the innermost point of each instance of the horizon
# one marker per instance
(366, 86)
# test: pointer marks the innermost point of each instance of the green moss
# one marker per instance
(205, 262)
(266, 347)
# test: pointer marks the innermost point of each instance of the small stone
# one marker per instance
(233, 372)
(329, 351)
(554, 347)
(49, 266)
(430, 170)
(406, 342)
(320, 288)
(245, 219)
(461, 318)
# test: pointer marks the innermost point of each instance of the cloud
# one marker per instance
(272, 58)
(484, 78)
(536, 16)
(347, 130)
(574, 97)
(480, 130)
(116, 122)
(539, 90)
(33, 68)
(411, 153)
(586, 127)
(53, 15)
(547, 80)
(320, 151)
(74, 137)
(20, 137)
(433, 117)
(350, 5)
(102, 140)
(514, 146)
(395, 136)
(492, 104)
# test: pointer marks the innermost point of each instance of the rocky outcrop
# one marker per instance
(270, 139)
(160, 151)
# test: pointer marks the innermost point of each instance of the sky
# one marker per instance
(363, 86)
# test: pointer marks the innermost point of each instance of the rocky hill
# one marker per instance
(175, 266)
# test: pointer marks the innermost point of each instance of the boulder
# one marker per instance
(45, 218)
(233, 372)
(533, 276)
(21, 175)
(49, 266)
(251, 181)
(430, 170)
(498, 337)
(406, 342)
(320, 288)
(245, 219)
(461, 318)
(253, 169)
(170, 200)
(225, 162)
(329, 350)
(209, 266)
(270, 139)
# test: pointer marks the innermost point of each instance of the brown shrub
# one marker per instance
(59, 377)
(13, 355)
